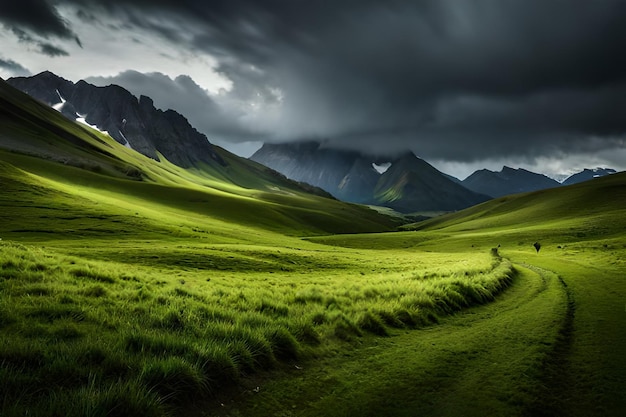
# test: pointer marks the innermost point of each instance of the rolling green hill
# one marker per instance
(594, 210)
(40, 147)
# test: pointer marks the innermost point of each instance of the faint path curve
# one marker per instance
(483, 361)
(556, 380)
(584, 372)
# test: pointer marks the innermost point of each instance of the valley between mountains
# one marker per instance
(146, 271)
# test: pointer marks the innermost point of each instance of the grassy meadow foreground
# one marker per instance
(113, 308)
(109, 312)
(133, 287)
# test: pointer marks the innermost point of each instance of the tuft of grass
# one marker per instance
(93, 274)
(283, 344)
(371, 322)
(156, 344)
(99, 399)
(51, 312)
(174, 379)
(304, 331)
(273, 309)
(95, 291)
(344, 329)
(172, 320)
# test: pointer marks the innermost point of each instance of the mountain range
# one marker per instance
(512, 181)
(45, 159)
(406, 183)
(507, 181)
(138, 125)
(403, 182)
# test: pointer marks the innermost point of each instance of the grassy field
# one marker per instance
(551, 345)
(131, 287)
(81, 336)
(124, 313)
(116, 303)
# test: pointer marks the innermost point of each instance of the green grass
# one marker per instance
(130, 287)
(469, 364)
(178, 286)
(174, 333)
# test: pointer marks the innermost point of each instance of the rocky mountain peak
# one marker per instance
(133, 122)
(409, 184)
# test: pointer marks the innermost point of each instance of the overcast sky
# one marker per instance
(465, 84)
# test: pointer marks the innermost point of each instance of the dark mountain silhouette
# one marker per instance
(346, 175)
(133, 122)
(412, 183)
(507, 181)
(408, 185)
(588, 174)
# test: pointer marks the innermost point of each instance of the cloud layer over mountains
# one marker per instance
(453, 80)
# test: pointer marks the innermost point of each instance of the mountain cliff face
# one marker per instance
(133, 122)
(408, 185)
(346, 175)
(588, 174)
(507, 181)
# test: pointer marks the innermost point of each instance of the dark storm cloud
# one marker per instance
(43, 47)
(38, 17)
(451, 79)
(51, 50)
(14, 68)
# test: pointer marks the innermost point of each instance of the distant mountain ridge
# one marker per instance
(408, 185)
(588, 174)
(507, 181)
(512, 181)
(133, 122)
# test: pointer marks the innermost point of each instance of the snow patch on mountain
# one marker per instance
(60, 104)
(126, 143)
(381, 168)
(81, 119)
(559, 177)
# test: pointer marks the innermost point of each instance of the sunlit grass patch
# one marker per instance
(174, 334)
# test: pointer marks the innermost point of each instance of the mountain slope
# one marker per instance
(507, 181)
(41, 149)
(133, 122)
(346, 175)
(136, 124)
(408, 185)
(412, 183)
(585, 210)
(588, 174)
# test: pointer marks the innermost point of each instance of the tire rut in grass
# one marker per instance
(556, 379)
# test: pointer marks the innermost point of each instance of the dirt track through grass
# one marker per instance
(556, 381)
(483, 361)
(584, 374)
